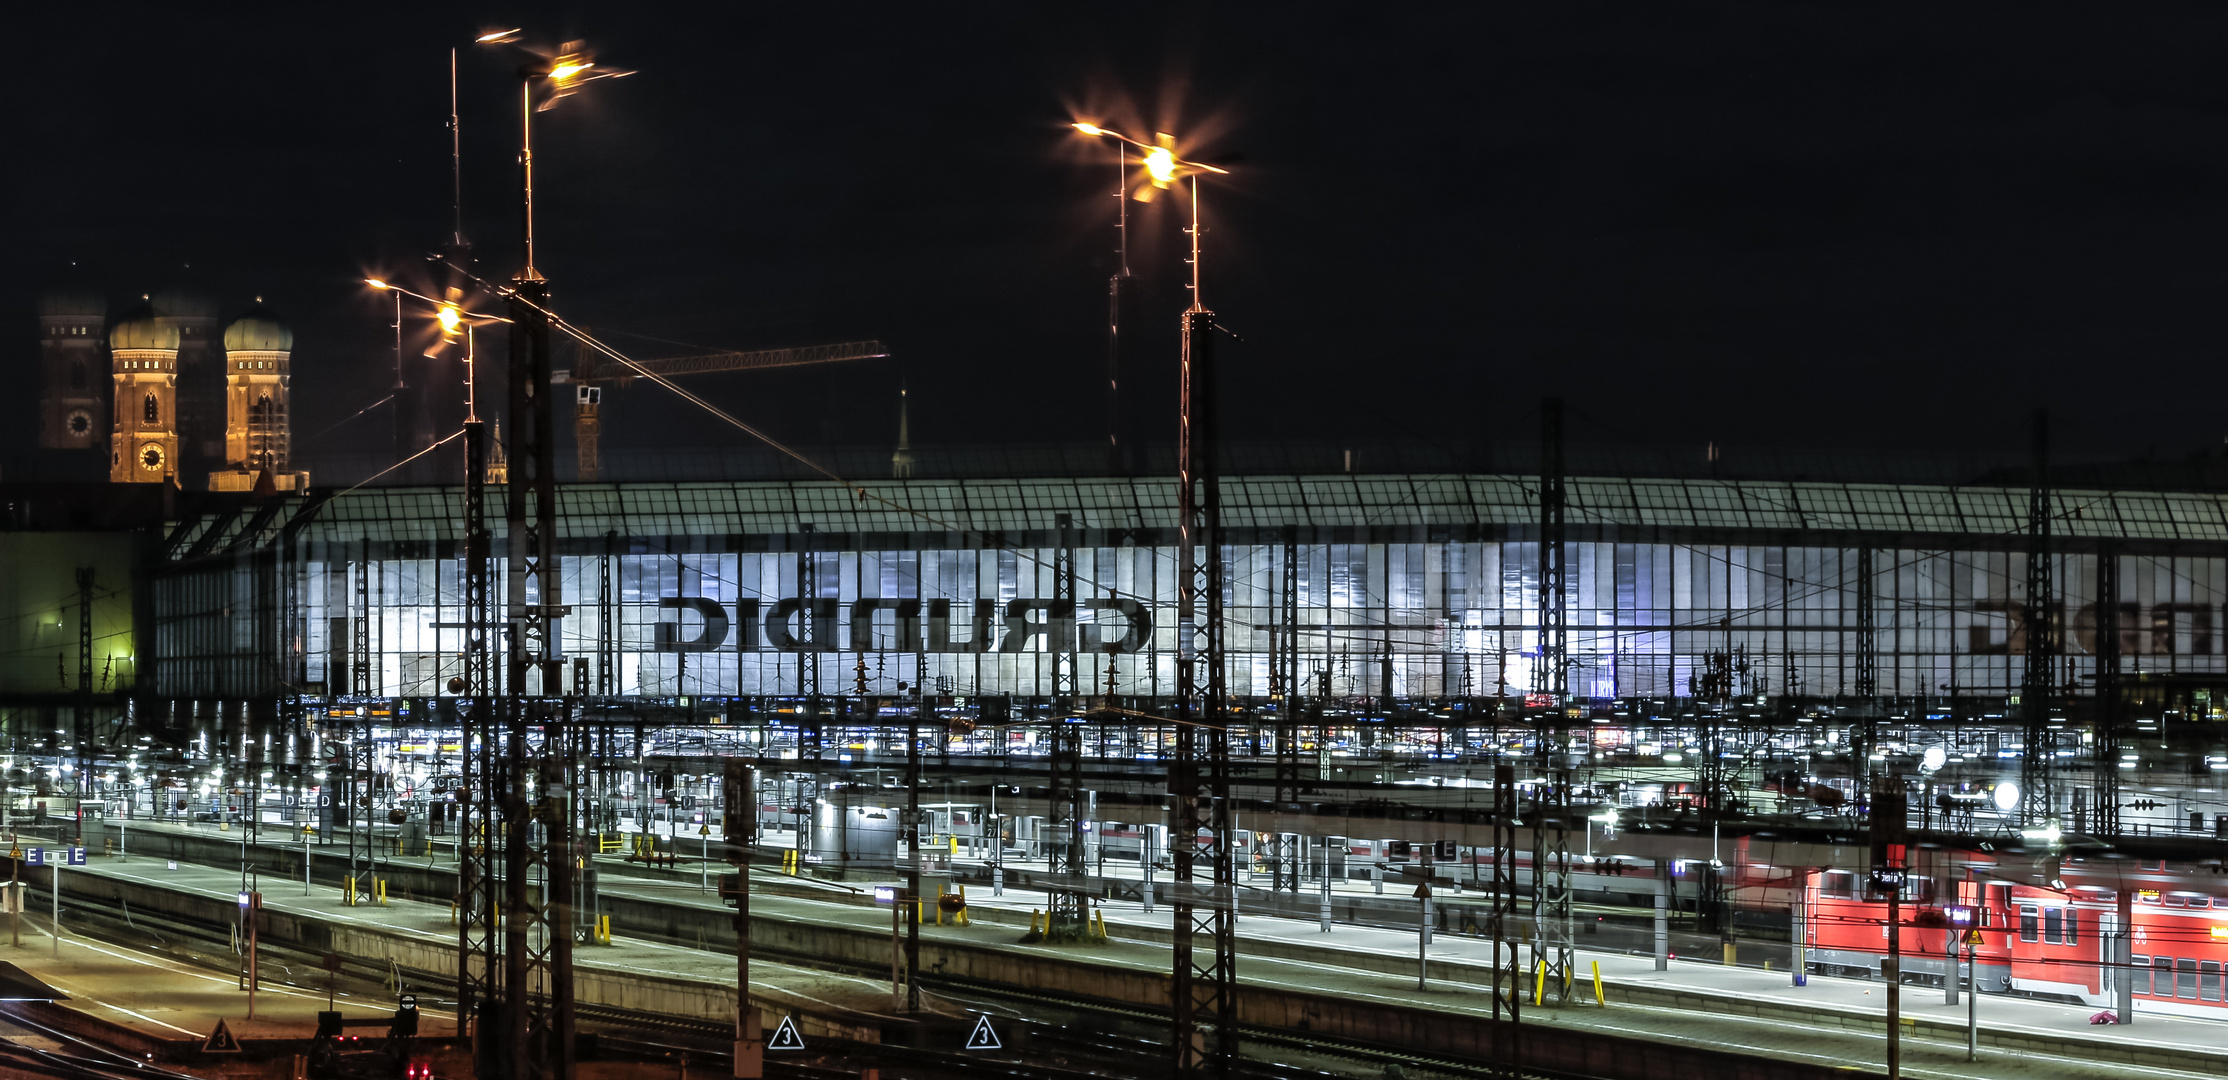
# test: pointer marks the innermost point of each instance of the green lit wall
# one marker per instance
(39, 612)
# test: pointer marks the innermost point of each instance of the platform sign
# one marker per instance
(984, 1037)
(34, 857)
(220, 1041)
(77, 856)
(785, 1036)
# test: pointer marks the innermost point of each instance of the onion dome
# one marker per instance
(72, 305)
(139, 330)
(258, 330)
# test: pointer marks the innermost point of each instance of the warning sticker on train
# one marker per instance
(984, 1037)
(1972, 937)
(786, 1037)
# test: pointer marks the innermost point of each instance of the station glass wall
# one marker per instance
(1436, 618)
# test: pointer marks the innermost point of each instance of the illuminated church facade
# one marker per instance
(189, 400)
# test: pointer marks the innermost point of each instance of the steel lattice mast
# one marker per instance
(2037, 794)
(1204, 983)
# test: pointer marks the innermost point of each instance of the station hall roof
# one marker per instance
(1596, 508)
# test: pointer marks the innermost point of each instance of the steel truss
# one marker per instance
(1553, 945)
(1063, 611)
(2107, 722)
(538, 890)
(2037, 779)
(1203, 986)
(1552, 675)
(360, 662)
(1063, 830)
(1508, 954)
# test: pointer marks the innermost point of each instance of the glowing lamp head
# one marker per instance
(1090, 129)
(1160, 166)
(569, 67)
(451, 319)
(376, 283)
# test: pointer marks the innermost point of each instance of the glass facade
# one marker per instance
(1427, 584)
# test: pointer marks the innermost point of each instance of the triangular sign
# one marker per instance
(220, 1041)
(786, 1037)
(984, 1037)
(1972, 937)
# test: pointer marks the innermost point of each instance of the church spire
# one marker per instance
(901, 463)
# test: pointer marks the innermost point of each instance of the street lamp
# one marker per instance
(1163, 169)
(559, 76)
(452, 318)
(530, 504)
(1205, 995)
(456, 324)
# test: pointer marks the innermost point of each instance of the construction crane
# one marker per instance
(591, 374)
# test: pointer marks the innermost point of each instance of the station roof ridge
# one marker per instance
(1622, 508)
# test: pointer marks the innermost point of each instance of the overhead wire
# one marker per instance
(863, 493)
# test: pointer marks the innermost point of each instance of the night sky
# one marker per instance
(1763, 225)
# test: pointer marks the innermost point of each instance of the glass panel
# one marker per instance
(2052, 920)
(2027, 924)
(2208, 980)
(2185, 978)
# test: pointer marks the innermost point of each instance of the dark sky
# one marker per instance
(1768, 224)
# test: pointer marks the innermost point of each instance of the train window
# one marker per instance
(2073, 927)
(2139, 970)
(2162, 976)
(2052, 920)
(2185, 978)
(2026, 924)
(1837, 885)
(2208, 980)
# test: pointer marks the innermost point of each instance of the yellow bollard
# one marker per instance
(381, 885)
(1098, 923)
(348, 891)
(1539, 986)
(963, 920)
(452, 913)
(1599, 999)
(954, 839)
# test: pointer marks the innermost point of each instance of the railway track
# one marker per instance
(1059, 1032)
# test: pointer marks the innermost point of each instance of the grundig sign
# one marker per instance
(1120, 626)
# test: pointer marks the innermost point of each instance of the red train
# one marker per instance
(2049, 942)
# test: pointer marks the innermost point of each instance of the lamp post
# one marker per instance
(474, 900)
(1203, 992)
